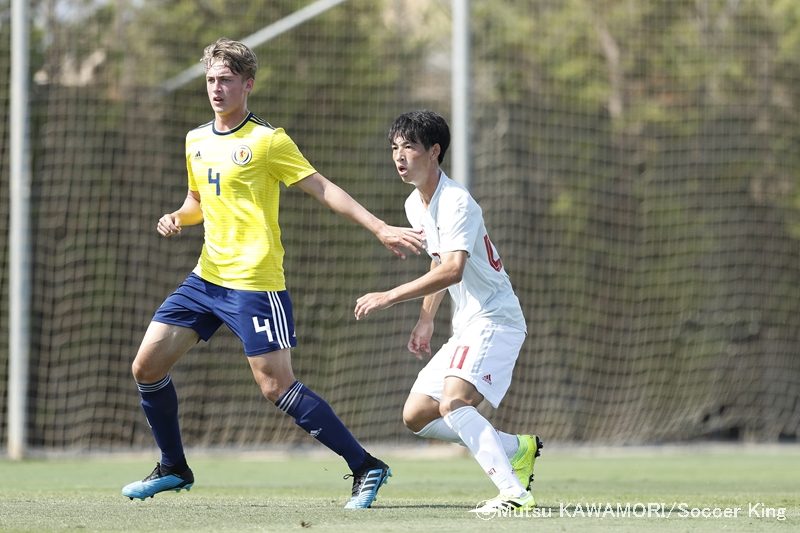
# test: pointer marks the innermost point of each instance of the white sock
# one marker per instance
(438, 429)
(484, 443)
(510, 443)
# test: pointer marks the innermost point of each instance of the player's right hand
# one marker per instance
(420, 341)
(168, 225)
(401, 240)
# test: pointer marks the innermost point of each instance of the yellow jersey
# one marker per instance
(238, 175)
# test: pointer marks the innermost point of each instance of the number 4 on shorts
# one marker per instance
(263, 327)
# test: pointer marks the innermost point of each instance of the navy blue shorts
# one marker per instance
(262, 320)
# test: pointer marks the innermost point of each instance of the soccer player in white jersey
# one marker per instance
(489, 328)
(236, 164)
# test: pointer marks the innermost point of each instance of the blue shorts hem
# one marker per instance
(202, 335)
(270, 349)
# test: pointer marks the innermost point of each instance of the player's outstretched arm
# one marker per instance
(396, 239)
(449, 272)
(189, 214)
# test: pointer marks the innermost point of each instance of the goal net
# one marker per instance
(636, 163)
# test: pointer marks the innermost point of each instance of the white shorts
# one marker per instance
(483, 354)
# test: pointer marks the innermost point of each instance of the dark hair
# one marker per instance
(424, 127)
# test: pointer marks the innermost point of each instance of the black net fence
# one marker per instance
(637, 164)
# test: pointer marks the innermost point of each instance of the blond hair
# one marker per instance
(234, 55)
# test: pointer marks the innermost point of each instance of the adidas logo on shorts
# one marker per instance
(487, 378)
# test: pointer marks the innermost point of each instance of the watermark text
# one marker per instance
(638, 510)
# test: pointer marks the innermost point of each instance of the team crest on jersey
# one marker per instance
(242, 155)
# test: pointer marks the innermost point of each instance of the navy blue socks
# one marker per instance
(310, 412)
(314, 415)
(160, 404)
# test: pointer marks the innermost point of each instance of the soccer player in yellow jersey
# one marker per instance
(236, 164)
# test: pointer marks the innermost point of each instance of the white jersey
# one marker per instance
(454, 222)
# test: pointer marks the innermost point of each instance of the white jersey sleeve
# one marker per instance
(459, 229)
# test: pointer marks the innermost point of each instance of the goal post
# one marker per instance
(19, 230)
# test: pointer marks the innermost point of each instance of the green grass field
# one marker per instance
(244, 493)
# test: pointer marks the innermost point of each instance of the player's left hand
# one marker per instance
(398, 239)
(374, 301)
(419, 343)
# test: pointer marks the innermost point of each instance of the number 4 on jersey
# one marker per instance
(213, 179)
(495, 261)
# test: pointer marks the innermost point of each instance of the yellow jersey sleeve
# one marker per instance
(286, 163)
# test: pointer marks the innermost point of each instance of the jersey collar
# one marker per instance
(234, 130)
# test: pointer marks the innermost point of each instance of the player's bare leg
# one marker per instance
(162, 346)
(419, 411)
(273, 373)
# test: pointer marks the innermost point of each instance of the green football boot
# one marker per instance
(530, 447)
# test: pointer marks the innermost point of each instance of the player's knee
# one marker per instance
(445, 408)
(143, 374)
(448, 405)
(419, 411)
(273, 386)
(270, 390)
(413, 419)
(273, 373)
